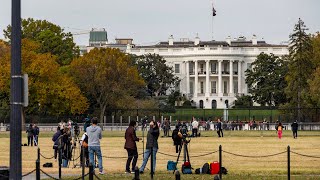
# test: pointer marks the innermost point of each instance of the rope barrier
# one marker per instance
(255, 156)
(27, 174)
(82, 176)
(121, 157)
(46, 157)
(167, 154)
(205, 154)
(48, 175)
(304, 155)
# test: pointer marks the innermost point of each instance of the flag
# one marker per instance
(213, 11)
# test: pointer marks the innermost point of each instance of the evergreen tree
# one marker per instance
(301, 67)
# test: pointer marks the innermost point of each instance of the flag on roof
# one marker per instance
(213, 11)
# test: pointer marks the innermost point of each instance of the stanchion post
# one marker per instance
(91, 171)
(83, 161)
(39, 154)
(177, 175)
(38, 169)
(136, 173)
(151, 164)
(60, 162)
(220, 162)
(288, 151)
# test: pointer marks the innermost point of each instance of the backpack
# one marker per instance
(206, 168)
(186, 168)
(171, 166)
(224, 170)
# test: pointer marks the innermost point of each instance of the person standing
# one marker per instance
(84, 147)
(55, 140)
(195, 125)
(152, 143)
(94, 136)
(279, 129)
(294, 127)
(30, 133)
(36, 134)
(219, 128)
(131, 146)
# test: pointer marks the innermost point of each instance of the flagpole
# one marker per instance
(212, 21)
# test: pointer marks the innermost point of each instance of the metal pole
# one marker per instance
(151, 164)
(60, 161)
(16, 92)
(288, 150)
(39, 153)
(83, 162)
(220, 162)
(91, 171)
(38, 169)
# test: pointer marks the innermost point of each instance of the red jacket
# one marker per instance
(131, 138)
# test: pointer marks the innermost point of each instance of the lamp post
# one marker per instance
(16, 92)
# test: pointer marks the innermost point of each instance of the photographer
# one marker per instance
(177, 137)
(152, 143)
(66, 146)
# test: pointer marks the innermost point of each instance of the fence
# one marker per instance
(91, 174)
(257, 114)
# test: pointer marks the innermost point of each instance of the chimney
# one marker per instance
(228, 39)
(197, 40)
(254, 40)
(171, 40)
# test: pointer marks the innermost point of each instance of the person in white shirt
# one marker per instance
(195, 125)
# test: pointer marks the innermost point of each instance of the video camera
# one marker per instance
(76, 129)
(184, 132)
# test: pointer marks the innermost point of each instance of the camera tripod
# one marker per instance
(184, 146)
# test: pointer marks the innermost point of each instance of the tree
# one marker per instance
(108, 76)
(243, 101)
(266, 80)
(314, 82)
(51, 37)
(50, 91)
(158, 76)
(301, 67)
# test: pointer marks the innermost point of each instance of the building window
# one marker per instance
(191, 71)
(235, 87)
(177, 68)
(191, 87)
(225, 68)
(213, 87)
(201, 87)
(235, 68)
(214, 68)
(225, 87)
(201, 69)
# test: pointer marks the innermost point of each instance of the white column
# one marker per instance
(195, 78)
(207, 79)
(188, 77)
(219, 79)
(239, 77)
(231, 91)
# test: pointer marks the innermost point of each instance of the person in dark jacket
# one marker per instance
(294, 127)
(131, 147)
(219, 128)
(36, 134)
(55, 140)
(152, 143)
(176, 137)
(30, 132)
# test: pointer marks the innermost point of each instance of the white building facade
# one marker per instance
(212, 73)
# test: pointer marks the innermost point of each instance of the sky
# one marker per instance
(148, 21)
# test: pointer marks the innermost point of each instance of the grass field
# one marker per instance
(248, 143)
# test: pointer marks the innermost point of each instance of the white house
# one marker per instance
(211, 72)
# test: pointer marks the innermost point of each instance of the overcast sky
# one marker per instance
(149, 21)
